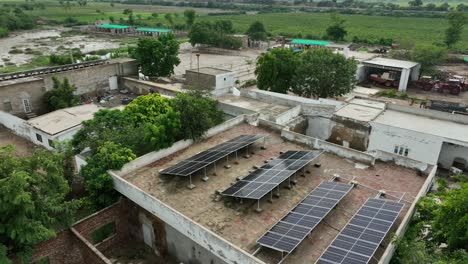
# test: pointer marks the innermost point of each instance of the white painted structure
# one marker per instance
(409, 70)
(60, 125)
(421, 137)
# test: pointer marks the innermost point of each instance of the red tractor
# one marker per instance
(387, 79)
(452, 86)
(463, 82)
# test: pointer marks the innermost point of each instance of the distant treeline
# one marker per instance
(12, 17)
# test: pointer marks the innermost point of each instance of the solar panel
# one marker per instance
(207, 157)
(360, 238)
(289, 232)
(264, 179)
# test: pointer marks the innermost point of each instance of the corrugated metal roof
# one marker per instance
(309, 42)
(147, 29)
(112, 26)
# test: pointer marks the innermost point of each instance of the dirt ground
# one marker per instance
(23, 147)
(240, 224)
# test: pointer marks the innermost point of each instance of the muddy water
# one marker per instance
(47, 42)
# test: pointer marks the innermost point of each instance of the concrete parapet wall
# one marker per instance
(400, 160)
(211, 242)
(308, 106)
(177, 146)
(143, 87)
(286, 116)
(17, 125)
(328, 147)
(233, 110)
(270, 125)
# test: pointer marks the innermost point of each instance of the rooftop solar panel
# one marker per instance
(207, 157)
(289, 232)
(264, 179)
(360, 238)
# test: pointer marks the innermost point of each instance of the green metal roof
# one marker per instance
(309, 42)
(147, 29)
(112, 26)
(466, 59)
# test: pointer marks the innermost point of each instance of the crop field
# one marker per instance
(419, 30)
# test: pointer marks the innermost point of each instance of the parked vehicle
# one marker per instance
(388, 79)
(427, 83)
(463, 82)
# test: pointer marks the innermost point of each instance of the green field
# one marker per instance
(420, 30)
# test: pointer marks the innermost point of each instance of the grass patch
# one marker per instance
(41, 61)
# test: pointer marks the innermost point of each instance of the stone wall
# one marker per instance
(15, 91)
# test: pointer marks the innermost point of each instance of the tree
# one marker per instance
(322, 73)
(155, 15)
(336, 30)
(275, 70)
(200, 33)
(169, 19)
(98, 184)
(127, 11)
(161, 122)
(189, 15)
(157, 57)
(214, 34)
(112, 19)
(256, 31)
(415, 3)
(115, 126)
(32, 200)
(456, 20)
(61, 95)
(429, 56)
(451, 218)
(197, 113)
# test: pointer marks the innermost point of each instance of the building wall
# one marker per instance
(16, 125)
(32, 89)
(143, 87)
(450, 152)
(87, 80)
(201, 81)
(422, 147)
(63, 249)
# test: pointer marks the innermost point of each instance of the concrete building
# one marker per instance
(406, 70)
(218, 81)
(22, 93)
(424, 135)
(61, 124)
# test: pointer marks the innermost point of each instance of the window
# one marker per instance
(51, 143)
(27, 106)
(103, 233)
(7, 106)
(39, 137)
(401, 150)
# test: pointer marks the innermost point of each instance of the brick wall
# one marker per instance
(63, 249)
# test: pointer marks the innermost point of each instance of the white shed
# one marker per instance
(408, 70)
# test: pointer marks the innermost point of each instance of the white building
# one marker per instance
(424, 135)
(218, 81)
(60, 125)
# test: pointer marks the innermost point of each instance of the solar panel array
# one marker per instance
(207, 157)
(289, 232)
(360, 238)
(266, 178)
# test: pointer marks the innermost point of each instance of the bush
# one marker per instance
(60, 59)
(4, 32)
(249, 83)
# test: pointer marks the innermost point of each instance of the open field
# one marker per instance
(419, 30)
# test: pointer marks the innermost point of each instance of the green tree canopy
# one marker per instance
(415, 3)
(32, 199)
(161, 122)
(157, 57)
(214, 34)
(61, 95)
(111, 125)
(275, 70)
(429, 56)
(98, 184)
(336, 31)
(189, 15)
(198, 113)
(322, 73)
(456, 20)
(256, 31)
(169, 19)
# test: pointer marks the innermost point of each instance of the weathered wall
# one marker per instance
(63, 249)
(319, 127)
(16, 125)
(286, 116)
(422, 147)
(14, 91)
(143, 87)
(450, 152)
(87, 80)
(308, 106)
(233, 110)
(214, 245)
(200, 80)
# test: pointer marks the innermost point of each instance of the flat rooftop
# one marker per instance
(253, 105)
(240, 224)
(60, 120)
(437, 127)
(361, 110)
(391, 63)
(210, 71)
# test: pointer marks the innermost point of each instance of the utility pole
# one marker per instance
(198, 67)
